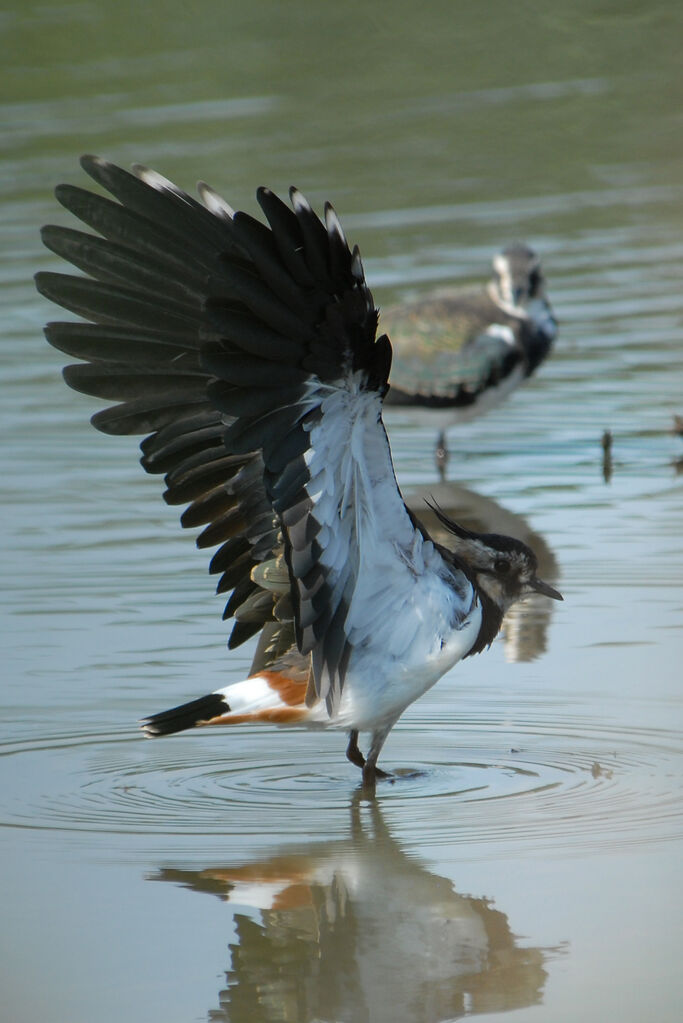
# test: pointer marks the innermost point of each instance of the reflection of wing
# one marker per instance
(449, 351)
(357, 930)
(201, 319)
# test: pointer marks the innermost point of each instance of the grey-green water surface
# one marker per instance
(532, 865)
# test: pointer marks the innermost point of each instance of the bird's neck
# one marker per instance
(518, 312)
(491, 613)
(491, 621)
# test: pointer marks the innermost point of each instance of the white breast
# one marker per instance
(435, 627)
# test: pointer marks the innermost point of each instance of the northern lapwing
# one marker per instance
(247, 354)
(463, 352)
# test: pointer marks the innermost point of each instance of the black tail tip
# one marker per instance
(187, 715)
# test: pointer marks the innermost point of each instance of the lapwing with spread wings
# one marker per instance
(247, 354)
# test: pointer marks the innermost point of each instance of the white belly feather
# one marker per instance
(424, 640)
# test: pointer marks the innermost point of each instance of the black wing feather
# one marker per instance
(207, 330)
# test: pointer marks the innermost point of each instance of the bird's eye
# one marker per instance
(501, 566)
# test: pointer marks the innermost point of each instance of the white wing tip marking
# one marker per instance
(333, 224)
(299, 201)
(214, 202)
(154, 179)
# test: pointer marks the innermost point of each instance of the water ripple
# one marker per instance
(576, 786)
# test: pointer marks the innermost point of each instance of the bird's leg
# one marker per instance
(352, 751)
(371, 772)
(354, 754)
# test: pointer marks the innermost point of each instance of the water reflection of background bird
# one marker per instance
(357, 930)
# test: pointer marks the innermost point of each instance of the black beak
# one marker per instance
(540, 587)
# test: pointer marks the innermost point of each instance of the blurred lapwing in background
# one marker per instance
(461, 352)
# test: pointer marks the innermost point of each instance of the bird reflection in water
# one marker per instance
(525, 626)
(356, 930)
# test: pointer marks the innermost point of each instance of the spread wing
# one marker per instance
(247, 353)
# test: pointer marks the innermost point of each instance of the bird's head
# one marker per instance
(502, 568)
(517, 287)
(517, 277)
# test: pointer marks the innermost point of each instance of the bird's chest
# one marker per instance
(438, 650)
(423, 641)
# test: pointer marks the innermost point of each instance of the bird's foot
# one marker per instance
(373, 774)
(369, 768)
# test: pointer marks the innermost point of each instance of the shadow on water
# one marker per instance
(356, 929)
